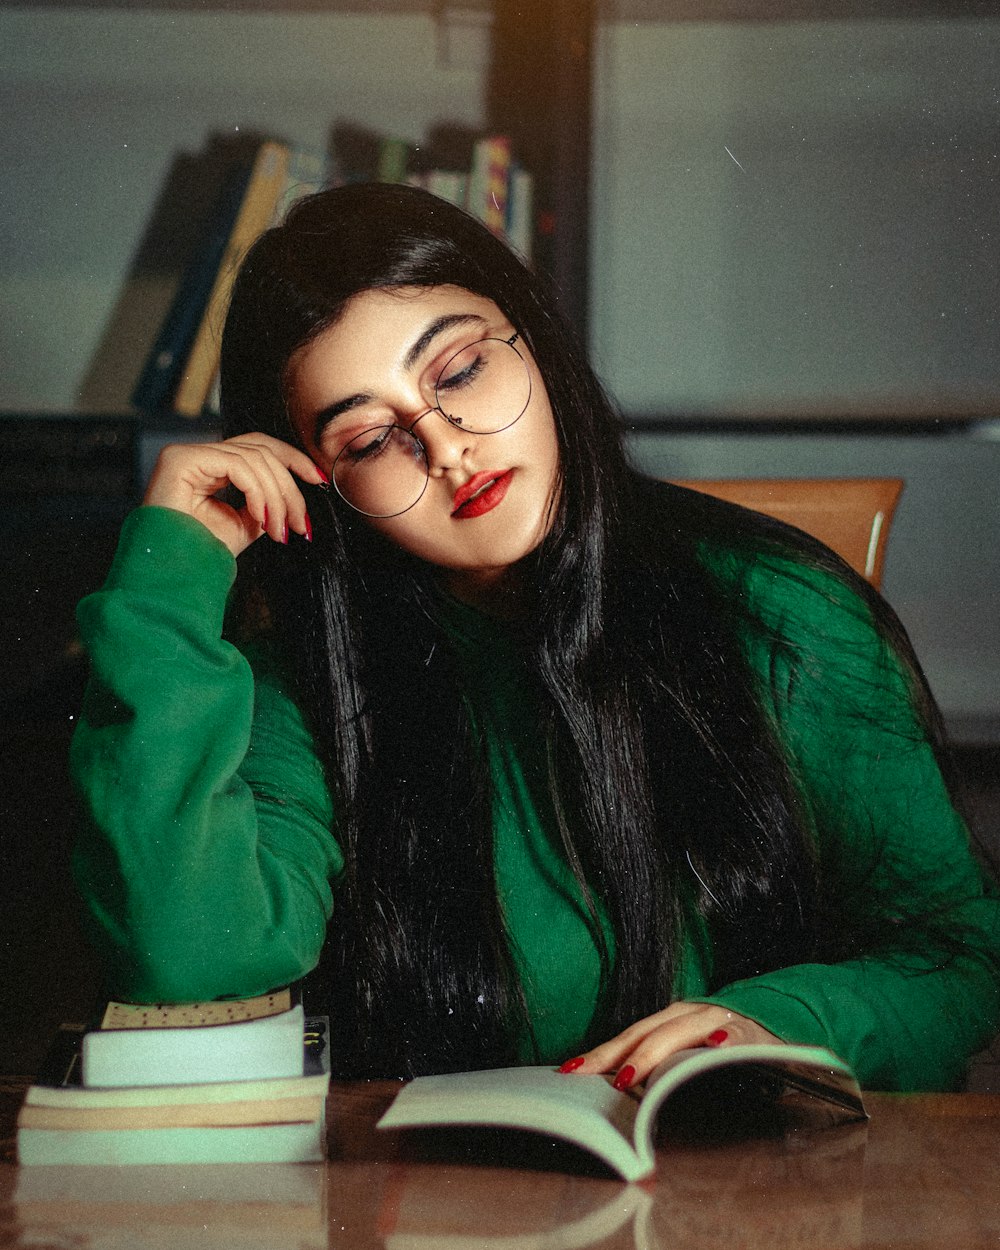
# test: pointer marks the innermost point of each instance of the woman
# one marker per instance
(547, 762)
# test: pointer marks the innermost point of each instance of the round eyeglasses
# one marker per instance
(484, 388)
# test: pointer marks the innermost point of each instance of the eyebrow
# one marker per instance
(436, 327)
(445, 322)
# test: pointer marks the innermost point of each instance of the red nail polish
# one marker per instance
(571, 1065)
(716, 1038)
(625, 1077)
(284, 532)
(309, 529)
(264, 522)
(326, 480)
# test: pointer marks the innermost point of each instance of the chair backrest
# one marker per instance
(851, 515)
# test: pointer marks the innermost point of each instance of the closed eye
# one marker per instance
(368, 445)
(462, 370)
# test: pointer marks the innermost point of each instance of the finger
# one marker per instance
(609, 1055)
(189, 477)
(686, 1031)
(292, 458)
(273, 497)
(634, 1053)
(276, 464)
(267, 487)
(681, 1033)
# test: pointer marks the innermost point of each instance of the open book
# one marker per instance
(806, 1086)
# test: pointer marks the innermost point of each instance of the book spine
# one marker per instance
(266, 183)
(393, 160)
(308, 172)
(173, 342)
(521, 212)
(489, 181)
(173, 1115)
(448, 184)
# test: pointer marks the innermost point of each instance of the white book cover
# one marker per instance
(251, 1050)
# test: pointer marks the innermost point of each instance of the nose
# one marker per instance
(444, 443)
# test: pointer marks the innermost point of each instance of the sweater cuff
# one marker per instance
(780, 1013)
(165, 552)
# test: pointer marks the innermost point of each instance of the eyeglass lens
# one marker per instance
(484, 388)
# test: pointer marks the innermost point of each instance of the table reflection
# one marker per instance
(206, 1205)
(921, 1173)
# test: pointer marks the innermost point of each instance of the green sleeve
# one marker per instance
(908, 1015)
(206, 853)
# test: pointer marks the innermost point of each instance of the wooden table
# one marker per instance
(924, 1172)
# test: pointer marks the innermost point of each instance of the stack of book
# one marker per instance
(224, 1082)
(496, 189)
(181, 369)
(479, 173)
(258, 184)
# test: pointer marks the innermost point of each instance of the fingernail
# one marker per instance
(625, 1077)
(284, 532)
(309, 529)
(326, 480)
(571, 1065)
(716, 1038)
(264, 522)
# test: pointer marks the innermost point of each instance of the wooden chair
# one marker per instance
(850, 515)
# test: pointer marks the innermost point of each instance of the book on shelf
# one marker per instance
(264, 188)
(801, 1086)
(394, 159)
(521, 212)
(489, 182)
(307, 172)
(232, 1120)
(447, 184)
(476, 172)
(156, 383)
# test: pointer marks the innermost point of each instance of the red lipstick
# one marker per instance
(481, 493)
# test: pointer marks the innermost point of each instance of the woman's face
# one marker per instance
(489, 498)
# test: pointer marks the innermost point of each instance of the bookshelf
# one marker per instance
(533, 71)
(101, 102)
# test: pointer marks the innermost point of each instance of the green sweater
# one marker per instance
(209, 863)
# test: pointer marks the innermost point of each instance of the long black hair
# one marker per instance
(670, 786)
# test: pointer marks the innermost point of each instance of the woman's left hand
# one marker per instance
(633, 1054)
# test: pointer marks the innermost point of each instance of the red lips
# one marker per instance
(481, 493)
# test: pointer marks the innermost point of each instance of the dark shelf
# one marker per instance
(858, 426)
(789, 10)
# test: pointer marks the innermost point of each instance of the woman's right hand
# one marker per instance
(188, 477)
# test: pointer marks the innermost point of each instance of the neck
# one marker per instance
(501, 593)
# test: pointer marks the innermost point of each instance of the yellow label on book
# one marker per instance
(193, 1015)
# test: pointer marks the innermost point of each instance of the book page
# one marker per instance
(800, 1086)
(194, 1015)
(584, 1110)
